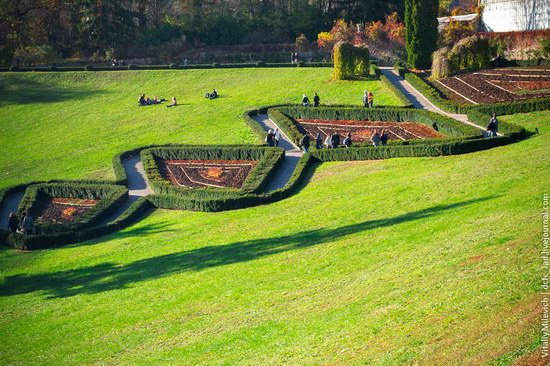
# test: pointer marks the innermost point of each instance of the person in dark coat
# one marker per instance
(27, 224)
(304, 142)
(384, 138)
(141, 100)
(13, 223)
(318, 141)
(335, 139)
(492, 128)
(316, 100)
(347, 140)
(305, 101)
(375, 138)
(270, 138)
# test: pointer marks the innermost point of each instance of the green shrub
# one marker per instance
(132, 67)
(14, 68)
(350, 62)
(400, 68)
(89, 68)
(406, 103)
(174, 66)
(471, 53)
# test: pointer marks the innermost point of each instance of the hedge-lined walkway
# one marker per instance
(292, 155)
(418, 100)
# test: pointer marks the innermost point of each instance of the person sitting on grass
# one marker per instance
(384, 138)
(212, 95)
(318, 141)
(316, 100)
(347, 140)
(304, 142)
(305, 101)
(174, 102)
(141, 100)
(375, 138)
(13, 223)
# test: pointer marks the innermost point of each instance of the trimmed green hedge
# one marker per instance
(110, 197)
(162, 67)
(268, 160)
(406, 103)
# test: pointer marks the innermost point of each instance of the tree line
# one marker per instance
(107, 28)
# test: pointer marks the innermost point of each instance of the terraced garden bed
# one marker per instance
(50, 210)
(497, 85)
(206, 173)
(362, 131)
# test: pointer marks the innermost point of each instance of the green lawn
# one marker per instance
(428, 261)
(70, 125)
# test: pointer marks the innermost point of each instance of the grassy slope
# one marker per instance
(405, 261)
(69, 125)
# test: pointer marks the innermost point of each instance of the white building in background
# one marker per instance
(515, 15)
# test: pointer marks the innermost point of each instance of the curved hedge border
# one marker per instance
(466, 139)
(164, 67)
(268, 160)
(110, 198)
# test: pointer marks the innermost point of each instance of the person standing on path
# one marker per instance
(384, 138)
(335, 140)
(304, 142)
(13, 223)
(318, 141)
(277, 136)
(347, 141)
(316, 100)
(269, 139)
(375, 138)
(493, 126)
(27, 224)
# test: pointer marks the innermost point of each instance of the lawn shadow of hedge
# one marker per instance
(21, 90)
(112, 276)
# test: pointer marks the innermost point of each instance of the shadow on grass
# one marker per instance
(111, 276)
(20, 89)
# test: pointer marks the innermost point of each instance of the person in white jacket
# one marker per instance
(277, 134)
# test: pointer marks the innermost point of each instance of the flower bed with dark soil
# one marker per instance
(497, 85)
(61, 210)
(361, 131)
(206, 173)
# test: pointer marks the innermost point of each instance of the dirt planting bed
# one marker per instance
(206, 173)
(361, 131)
(50, 210)
(497, 85)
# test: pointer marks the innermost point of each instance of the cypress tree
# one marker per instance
(421, 31)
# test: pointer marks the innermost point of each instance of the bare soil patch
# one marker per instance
(61, 210)
(498, 85)
(361, 131)
(206, 173)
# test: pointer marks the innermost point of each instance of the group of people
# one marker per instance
(294, 58)
(273, 137)
(379, 138)
(116, 62)
(23, 226)
(332, 141)
(306, 102)
(144, 101)
(212, 95)
(368, 99)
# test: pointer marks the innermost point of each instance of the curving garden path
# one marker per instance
(418, 100)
